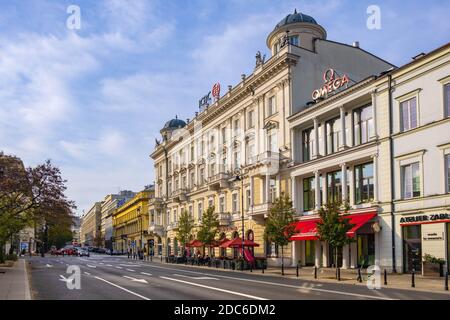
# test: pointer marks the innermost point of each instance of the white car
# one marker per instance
(83, 252)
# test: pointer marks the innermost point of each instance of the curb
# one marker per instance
(26, 280)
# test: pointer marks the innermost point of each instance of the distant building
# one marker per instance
(91, 226)
(75, 228)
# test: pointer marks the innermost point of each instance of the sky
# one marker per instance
(93, 99)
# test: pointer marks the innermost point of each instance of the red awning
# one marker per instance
(195, 244)
(358, 220)
(307, 229)
(237, 243)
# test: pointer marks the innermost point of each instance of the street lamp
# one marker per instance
(240, 178)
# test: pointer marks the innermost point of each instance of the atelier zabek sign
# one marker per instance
(332, 82)
(425, 218)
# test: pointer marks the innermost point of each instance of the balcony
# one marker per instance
(218, 181)
(156, 202)
(259, 210)
(179, 195)
(172, 226)
(268, 162)
(156, 228)
(224, 219)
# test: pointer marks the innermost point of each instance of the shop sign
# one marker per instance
(426, 218)
(433, 236)
(331, 84)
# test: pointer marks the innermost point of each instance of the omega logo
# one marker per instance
(331, 84)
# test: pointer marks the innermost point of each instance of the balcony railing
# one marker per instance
(172, 226)
(224, 218)
(259, 210)
(218, 181)
(157, 228)
(179, 195)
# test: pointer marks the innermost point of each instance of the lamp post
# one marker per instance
(239, 178)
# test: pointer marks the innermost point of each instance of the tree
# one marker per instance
(333, 226)
(31, 196)
(185, 226)
(280, 224)
(209, 227)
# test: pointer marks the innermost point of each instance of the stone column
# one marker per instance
(374, 114)
(316, 138)
(317, 251)
(343, 135)
(375, 178)
(325, 254)
(324, 188)
(295, 255)
(317, 189)
(344, 182)
(345, 257)
(294, 194)
(353, 255)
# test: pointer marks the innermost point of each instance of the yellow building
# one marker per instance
(131, 222)
(237, 151)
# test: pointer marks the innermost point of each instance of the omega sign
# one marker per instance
(331, 84)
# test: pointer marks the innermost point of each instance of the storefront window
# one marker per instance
(366, 250)
(364, 183)
(412, 248)
(310, 253)
(309, 193)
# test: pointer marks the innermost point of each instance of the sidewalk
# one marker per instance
(14, 283)
(348, 276)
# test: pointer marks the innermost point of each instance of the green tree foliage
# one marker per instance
(333, 226)
(185, 226)
(280, 222)
(209, 227)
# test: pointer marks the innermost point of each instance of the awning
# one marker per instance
(307, 229)
(194, 244)
(237, 243)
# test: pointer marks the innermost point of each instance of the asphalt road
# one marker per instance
(105, 277)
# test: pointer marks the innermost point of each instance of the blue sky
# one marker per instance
(93, 100)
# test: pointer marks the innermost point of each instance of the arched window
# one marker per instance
(159, 245)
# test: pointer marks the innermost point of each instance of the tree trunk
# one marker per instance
(2, 252)
(282, 261)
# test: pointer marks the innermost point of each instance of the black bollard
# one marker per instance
(385, 277)
(413, 281)
(282, 269)
(251, 267)
(339, 274)
(263, 266)
(446, 281)
(315, 272)
(359, 279)
(297, 270)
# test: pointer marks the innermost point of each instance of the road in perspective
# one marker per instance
(120, 278)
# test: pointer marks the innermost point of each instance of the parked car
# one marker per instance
(101, 250)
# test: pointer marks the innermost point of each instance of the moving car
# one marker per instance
(82, 252)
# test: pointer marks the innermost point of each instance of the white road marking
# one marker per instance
(91, 266)
(136, 280)
(195, 278)
(283, 285)
(109, 265)
(118, 267)
(87, 273)
(49, 265)
(147, 274)
(216, 289)
(131, 270)
(122, 288)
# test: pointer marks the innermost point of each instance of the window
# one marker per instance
(411, 180)
(212, 169)
(309, 193)
(237, 159)
(200, 210)
(333, 128)
(192, 152)
(222, 204)
(174, 215)
(234, 201)
(224, 135)
(202, 176)
(248, 196)
(272, 141)
(363, 124)
(152, 216)
(408, 114)
(236, 127)
(192, 179)
(210, 202)
(334, 186)
(447, 165)
(212, 146)
(272, 190)
(191, 212)
(447, 99)
(364, 183)
(224, 164)
(170, 165)
(251, 120)
(169, 187)
(307, 144)
(293, 40)
(271, 106)
(250, 151)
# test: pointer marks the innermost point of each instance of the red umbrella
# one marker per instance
(195, 243)
(237, 243)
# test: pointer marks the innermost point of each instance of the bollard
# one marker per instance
(359, 279)
(339, 274)
(282, 269)
(297, 271)
(446, 281)
(385, 277)
(262, 269)
(251, 268)
(413, 281)
(315, 272)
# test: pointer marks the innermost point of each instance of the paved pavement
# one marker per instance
(14, 283)
(118, 278)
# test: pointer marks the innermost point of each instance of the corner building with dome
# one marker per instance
(237, 153)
